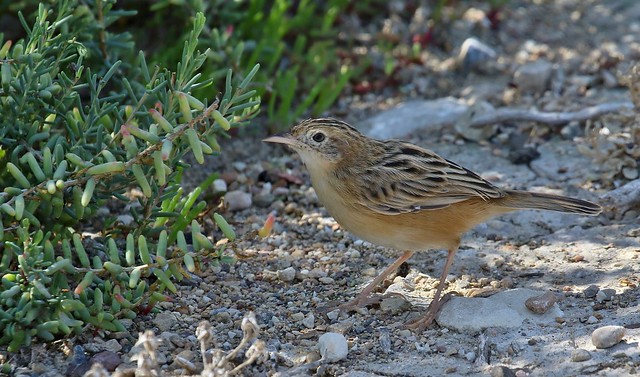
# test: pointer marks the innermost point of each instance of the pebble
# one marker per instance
(309, 321)
(502, 371)
(385, 340)
(290, 208)
(219, 185)
(263, 199)
(288, 274)
(165, 320)
(239, 166)
(109, 360)
(607, 336)
(237, 200)
(297, 317)
(591, 291)
(541, 304)
(334, 314)
(591, 320)
(572, 130)
(605, 294)
(405, 333)
(533, 77)
(474, 53)
(579, 355)
(450, 351)
(229, 177)
(112, 345)
(327, 280)
(369, 272)
(470, 356)
(317, 273)
(394, 304)
(281, 191)
(333, 346)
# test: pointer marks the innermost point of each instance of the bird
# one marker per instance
(405, 197)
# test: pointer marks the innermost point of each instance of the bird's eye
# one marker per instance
(318, 137)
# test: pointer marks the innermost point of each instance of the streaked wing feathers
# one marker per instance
(408, 178)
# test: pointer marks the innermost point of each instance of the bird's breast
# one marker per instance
(411, 231)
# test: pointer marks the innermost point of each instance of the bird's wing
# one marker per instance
(409, 179)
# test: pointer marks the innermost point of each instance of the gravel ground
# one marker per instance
(587, 266)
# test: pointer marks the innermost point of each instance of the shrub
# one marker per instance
(84, 121)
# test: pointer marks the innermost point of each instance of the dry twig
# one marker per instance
(551, 118)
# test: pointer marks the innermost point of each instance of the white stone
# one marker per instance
(607, 336)
(237, 200)
(219, 185)
(288, 274)
(333, 347)
(502, 310)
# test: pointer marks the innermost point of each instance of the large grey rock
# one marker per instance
(410, 116)
(502, 310)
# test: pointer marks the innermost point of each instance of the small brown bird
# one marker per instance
(399, 195)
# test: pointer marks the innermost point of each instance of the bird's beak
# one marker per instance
(282, 139)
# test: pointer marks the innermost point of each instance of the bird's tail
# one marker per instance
(533, 200)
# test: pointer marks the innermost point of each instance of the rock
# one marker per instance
(410, 116)
(605, 294)
(572, 130)
(109, 360)
(502, 371)
(239, 166)
(309, 321)
(112, 345)
(229, 177)
(219, 185)
(288, 274)
(560, 161)
(384, 340)
(333, 346)
(474, 53)
(334, 314)
(317, 273)
(591, 320)
(327, 280)
(470, 356)
(540, 304)
(607, 336)
(591, 291)
(533, 77)
(394, 304)
(165, 320)
(503, 310)
(264, 199)
(79, 363)
(237, 200)
(125, 219)
(463, 123)
(579, 355)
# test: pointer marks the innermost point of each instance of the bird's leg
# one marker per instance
(423, 322)
(363, 299)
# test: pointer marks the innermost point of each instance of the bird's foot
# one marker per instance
(421, 323)
(360, 301)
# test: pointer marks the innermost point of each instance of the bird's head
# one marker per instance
(323, 141)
